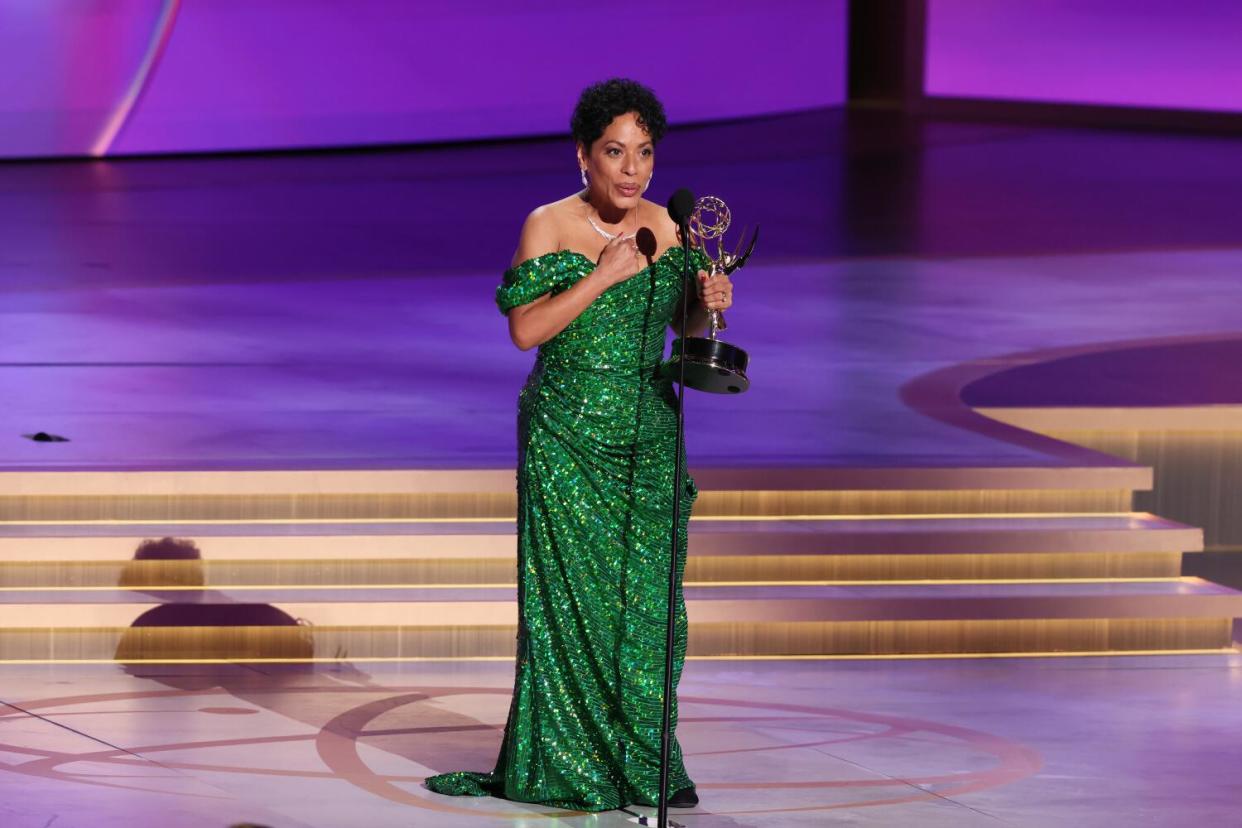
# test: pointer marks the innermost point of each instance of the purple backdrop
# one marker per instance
(150, 76)
(1184, 54)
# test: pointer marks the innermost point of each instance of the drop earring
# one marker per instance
(585, 182)
(648, 184)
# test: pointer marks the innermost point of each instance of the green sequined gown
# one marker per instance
(596, 431)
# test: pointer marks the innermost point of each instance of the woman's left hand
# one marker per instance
(716, 292)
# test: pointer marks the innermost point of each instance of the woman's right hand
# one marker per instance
(620, 260)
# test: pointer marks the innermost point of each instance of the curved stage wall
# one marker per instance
(157, 76)
(1159, 53)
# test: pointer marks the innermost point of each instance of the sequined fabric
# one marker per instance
(596, 432)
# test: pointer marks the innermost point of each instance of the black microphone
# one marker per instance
(681, 206)
(646, 241)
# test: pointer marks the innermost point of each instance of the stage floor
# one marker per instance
(335, 311)
(1087, 742)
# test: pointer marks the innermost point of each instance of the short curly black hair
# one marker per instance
(600, 102)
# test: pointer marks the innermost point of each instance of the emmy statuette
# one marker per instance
(712, 364)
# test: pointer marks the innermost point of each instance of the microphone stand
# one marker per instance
(670, 633)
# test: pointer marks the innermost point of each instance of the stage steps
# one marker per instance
(479, 622)
(846, 549)
(428, 571)
(485, 494)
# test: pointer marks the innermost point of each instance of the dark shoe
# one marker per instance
(685, 798)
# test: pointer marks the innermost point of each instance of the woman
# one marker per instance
(596, 433)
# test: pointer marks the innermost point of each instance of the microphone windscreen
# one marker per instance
(646, 242)
(681, 206)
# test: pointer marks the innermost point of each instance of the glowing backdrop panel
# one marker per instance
(150, 76)
(1178, 54)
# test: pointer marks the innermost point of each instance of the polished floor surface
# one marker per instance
(1087, 742)
(334, 312)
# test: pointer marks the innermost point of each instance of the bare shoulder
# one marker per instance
(541, 232)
